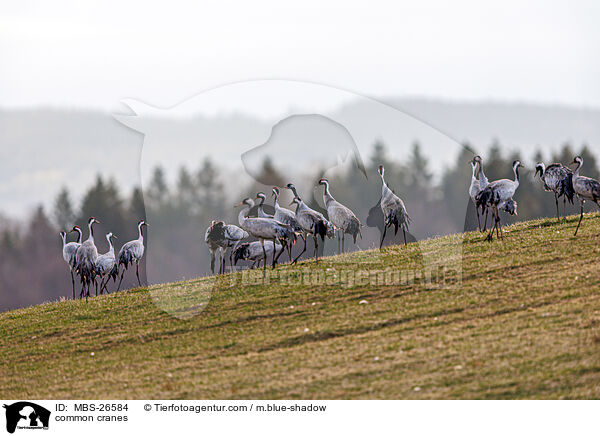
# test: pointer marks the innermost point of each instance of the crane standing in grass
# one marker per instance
(394, 211)
(557, 178)
(496, 195)
(106, 265)
(69, 251)
(341, 217)
(474, 189)
(85, 259)
(131, 252)
(483, 183)
(313, 223)
(288, 217)
(264, 229)
(586, 188)
(253, 251)
(219, 237)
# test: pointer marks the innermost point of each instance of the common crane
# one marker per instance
(286, 216)
(557, 178)
(586, 188)
(341, 217)
(483, 183)
(394, 211)
(85, 259)
(219, 237)
(496, 193)
(106, 265)
(474, 190)
(312, 222)
(131, 252)
(252, 251)
(260, 211)
(264, 229)
(69, 251)
(328, 224)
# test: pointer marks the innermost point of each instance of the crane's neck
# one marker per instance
(242, 215)
(474, 171)
(64, 239)
(276, 202)
(79, 235)
(140, 234)
(576, 172)
(293, 188)
(516, 171)
(327, 197)
(91, 231)
(481, 175)
(111, 248)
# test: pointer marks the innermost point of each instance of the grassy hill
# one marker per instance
(525, 323)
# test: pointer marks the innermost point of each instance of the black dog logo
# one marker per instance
(31, 413)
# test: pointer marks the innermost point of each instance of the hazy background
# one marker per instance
(522, 76)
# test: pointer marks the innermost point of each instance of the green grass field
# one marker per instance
(525, 323)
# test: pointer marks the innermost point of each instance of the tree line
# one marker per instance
(32, 269)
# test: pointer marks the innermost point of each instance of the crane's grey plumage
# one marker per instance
(312, 223)
(394, 211)
(219, 237)
(264, 229)
(260, 211)
(69, 252)
(586, 188)
(340, 216)
(85, 259)
(106, 265)
(557, 178)
(252, 251)
(286, 216)
(131, 252)
(496, 193)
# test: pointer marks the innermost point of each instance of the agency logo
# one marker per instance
(26, 415)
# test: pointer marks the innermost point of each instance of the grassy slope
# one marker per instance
(525, 324)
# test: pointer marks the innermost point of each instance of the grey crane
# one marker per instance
(260, 211)
(253, 251)
(312, 222)
(474, 189)
(264, 229)
(497, 193)
(557, 178)
(85, 259)
(69, 251)
(343, 218)
(131, 252)
(219, 237)
(330, 227)
(483, 183)
(106, 264)
(586, 188)
(394, 211)
(286, 216)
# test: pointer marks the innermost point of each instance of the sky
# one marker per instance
(94, 54)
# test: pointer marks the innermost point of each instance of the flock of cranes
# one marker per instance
(83, 259)
(279, 232)
(557, 178)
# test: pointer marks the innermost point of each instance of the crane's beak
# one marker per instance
(238, 205)
(96, 221)
(146, 224)
(115, 236)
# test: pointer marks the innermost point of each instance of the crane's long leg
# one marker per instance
(73, 283)
(262, 242)
(564, 208)
(343, 239)
(485, 219)
(557, 212)
(478, 219)
(122, 274)
(284, 244)
(404, 235)
(274, 253)
(490, 235)
(316, 248)
(382, 236)
(337, 234)
(212, 262)
(580, 218)
(137, 273)
(305, 237)
(96, 285)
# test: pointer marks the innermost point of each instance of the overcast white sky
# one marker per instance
(83, 55)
